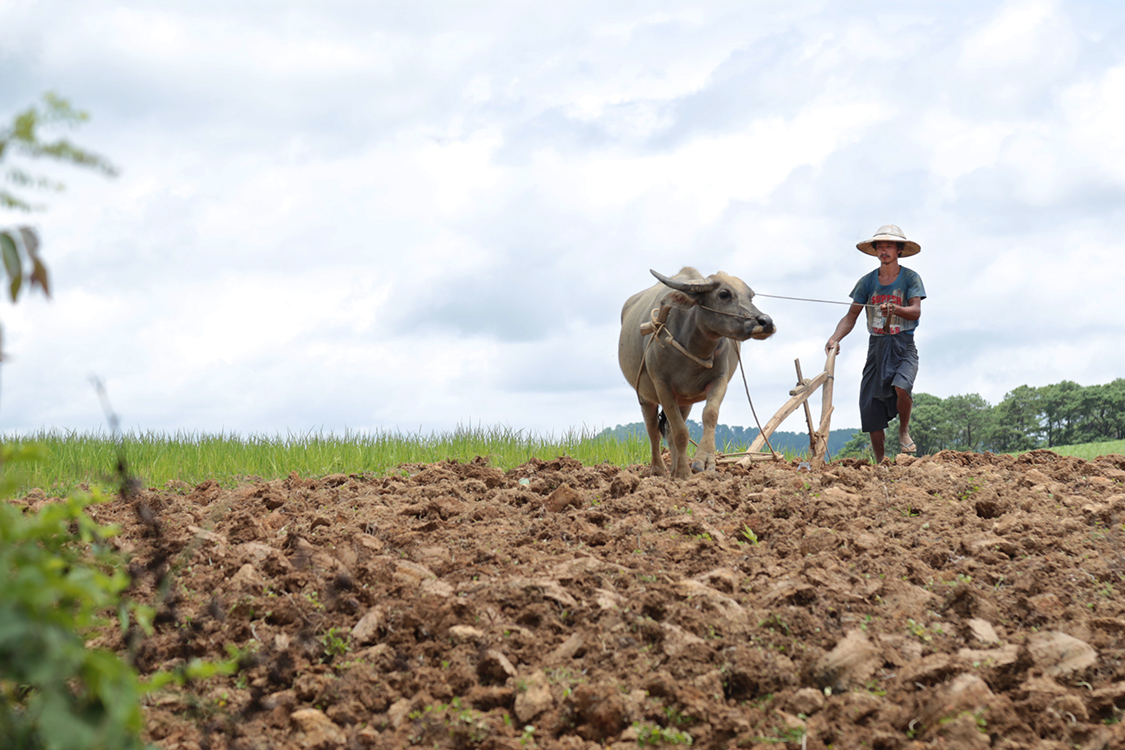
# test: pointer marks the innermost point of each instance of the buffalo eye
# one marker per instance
(724, 294)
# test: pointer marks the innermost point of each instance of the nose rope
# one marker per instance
(724, 312)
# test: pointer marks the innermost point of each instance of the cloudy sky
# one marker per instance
(414, 216)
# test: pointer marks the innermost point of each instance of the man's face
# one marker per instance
(886, 252)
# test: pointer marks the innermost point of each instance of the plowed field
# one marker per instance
(959, 600)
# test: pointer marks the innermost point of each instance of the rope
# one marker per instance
(658, 327)
(704, 363)
(742, 372)
(806, 299)
(724, 312)
(655, 333)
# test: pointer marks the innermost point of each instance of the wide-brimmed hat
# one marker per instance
(890, 233)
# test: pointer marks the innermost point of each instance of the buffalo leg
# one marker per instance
(677, 433)
(705, 453)
(684, 412)
(652, 426)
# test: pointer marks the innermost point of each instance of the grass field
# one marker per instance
(70, 459)
(1090, 451)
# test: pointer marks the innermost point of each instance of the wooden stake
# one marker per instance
(820, 447)
(808, 411)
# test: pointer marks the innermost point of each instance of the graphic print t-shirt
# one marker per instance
(868, 291)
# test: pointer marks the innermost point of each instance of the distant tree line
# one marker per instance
(1029, 417)
(1065, 413)
(731, 438)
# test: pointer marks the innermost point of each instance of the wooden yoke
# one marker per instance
(818, 438)
(657, 319)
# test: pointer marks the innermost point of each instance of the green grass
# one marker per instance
(155, 458)
(1090, 451)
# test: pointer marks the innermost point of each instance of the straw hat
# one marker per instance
(890, 233)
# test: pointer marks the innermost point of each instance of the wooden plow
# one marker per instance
(818, 436)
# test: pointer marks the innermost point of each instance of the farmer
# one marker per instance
(892, 296)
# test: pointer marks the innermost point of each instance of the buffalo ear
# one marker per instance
(679, 299)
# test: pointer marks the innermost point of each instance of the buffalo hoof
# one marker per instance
(704, 463)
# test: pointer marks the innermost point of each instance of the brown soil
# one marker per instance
(957, 601)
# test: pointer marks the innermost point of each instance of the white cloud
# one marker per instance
(351, 216)
(1020, 34)
(461, 170)
(960, 145)
(1094, 111)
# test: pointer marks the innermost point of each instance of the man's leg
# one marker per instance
(878, 444)
(905, 403)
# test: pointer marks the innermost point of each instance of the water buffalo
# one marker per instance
(686, 353)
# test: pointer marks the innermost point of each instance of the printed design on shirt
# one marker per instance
(873, 313)
(869, 292)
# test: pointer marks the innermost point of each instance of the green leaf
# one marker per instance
(25, 136)
(58, 580)
(8, 200)
(30, 241)
(39, 276)
(11, 255)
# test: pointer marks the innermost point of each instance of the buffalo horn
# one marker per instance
(697, 286)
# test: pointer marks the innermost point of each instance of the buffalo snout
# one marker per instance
(763, 328)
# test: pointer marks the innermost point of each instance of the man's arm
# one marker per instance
(912, 311)
(845, 326)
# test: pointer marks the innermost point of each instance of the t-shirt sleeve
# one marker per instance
(914, 287)
(861, 291)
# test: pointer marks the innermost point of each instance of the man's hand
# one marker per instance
(912, 310)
